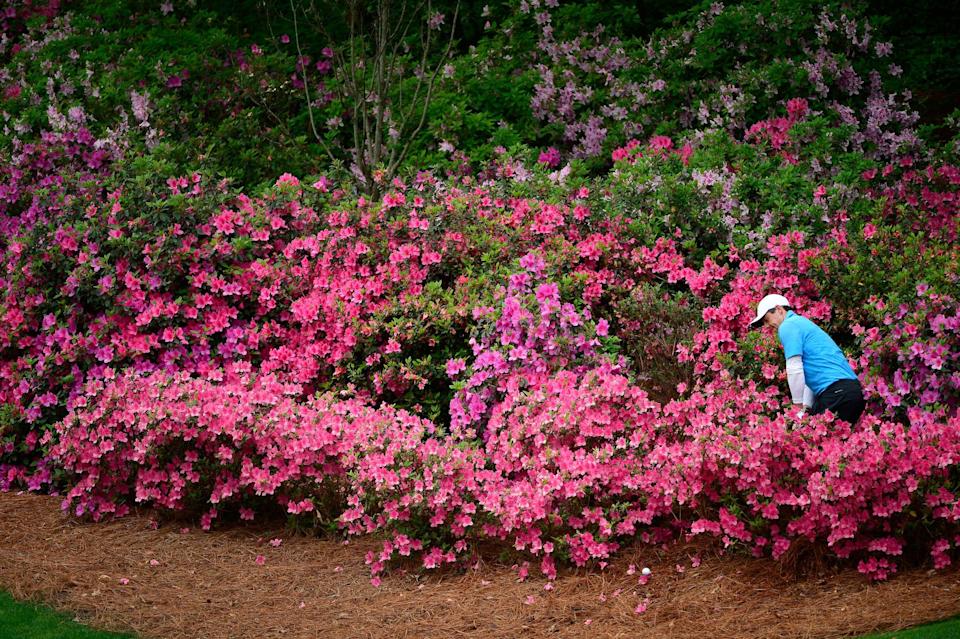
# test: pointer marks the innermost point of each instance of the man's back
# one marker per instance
(823, 361)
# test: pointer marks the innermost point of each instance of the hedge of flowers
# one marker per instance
(548, 443)
(532, 356)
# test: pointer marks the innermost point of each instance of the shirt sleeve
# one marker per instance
(808, 397)
(791, 339)
(795, 378)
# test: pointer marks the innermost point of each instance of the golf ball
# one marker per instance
(645, 571)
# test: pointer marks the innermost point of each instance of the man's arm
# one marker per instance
(808, 397)
(800, 393)
(792, 342)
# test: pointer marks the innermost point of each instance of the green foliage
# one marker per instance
(650, 321)
(239, 115)
(213, 105)
(924, 37)
(887, 266)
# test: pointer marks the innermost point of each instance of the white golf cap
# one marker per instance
(768, 303)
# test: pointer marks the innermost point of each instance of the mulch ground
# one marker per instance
(173, 582)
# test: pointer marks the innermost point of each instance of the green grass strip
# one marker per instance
(27, 620)
(947, 629)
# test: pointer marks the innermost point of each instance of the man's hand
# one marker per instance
(797, 412)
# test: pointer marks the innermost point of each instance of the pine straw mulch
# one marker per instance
(209, 585)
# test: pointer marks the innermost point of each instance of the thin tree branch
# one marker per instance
(369, 71)
(380, 81)
(395, 161)
(397, 42)
(359, 96)
(306, 86)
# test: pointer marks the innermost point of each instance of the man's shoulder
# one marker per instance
(794, 322)
(796, 325)
(800, 321)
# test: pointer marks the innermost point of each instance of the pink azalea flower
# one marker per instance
(602, 327)
(550, 157)
(287, 178)
(455, 366)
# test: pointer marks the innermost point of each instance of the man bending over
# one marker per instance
(819, 376)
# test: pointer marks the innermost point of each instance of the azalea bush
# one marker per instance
(722, 68)
(366, 284)
(571, 470)
(535, 337)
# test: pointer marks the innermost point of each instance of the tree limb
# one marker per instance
(306, 87)
(396, 160)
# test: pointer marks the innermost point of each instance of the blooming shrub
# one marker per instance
(149, 293)
(541, 354)
(912, 366)
(243, 444)
(722, 68)
(43, 178)
(546, 479)
(551, 445)
(856, 487)
(534, 336)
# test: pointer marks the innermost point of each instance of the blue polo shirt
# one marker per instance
(823, 361)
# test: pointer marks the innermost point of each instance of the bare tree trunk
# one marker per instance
(368, 79)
